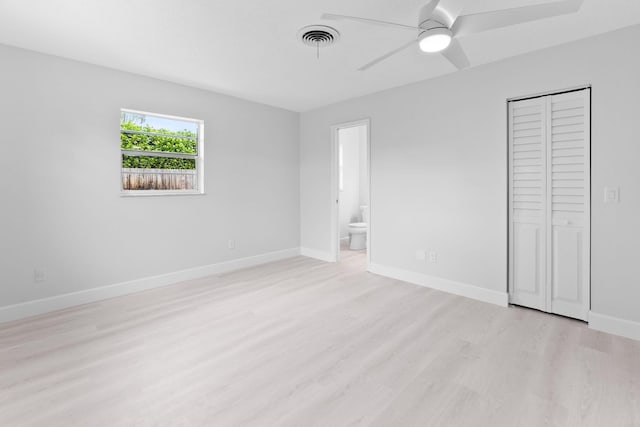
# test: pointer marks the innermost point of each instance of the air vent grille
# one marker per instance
(318, 35)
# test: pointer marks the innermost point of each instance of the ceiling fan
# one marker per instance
(438, 32)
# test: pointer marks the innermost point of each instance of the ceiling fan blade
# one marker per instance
(427, 10)
(455, 54)
(383, 57)
(335, 17)
(475, 23)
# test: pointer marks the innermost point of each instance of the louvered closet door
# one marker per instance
(549, 218)
(527, 235)
(568, 179)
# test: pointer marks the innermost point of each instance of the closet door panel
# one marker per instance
(568, 272)
(528, 284)
(569, 204)
(527, 196)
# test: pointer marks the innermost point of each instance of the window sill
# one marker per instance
(157, 193)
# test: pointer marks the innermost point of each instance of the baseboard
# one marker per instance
(46, 305)
(614, 325)
(450, 286)
(321, 255)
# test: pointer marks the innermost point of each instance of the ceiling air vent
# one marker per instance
(318, 36)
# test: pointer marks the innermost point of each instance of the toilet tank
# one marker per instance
(365, 213)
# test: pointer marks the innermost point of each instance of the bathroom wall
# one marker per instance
(349, 208)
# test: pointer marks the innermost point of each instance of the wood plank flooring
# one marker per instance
(305, 343)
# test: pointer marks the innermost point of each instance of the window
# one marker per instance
(160, 154)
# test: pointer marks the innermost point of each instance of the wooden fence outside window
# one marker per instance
(159, 179)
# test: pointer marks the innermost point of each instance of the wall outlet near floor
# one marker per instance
(231, 244)
(39, 275)
(421, 255)
(433, 257)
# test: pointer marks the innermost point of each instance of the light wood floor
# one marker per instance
(306, 343)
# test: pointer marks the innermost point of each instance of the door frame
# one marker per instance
(335, 190)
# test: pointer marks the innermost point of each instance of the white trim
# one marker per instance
(335, 195)
(321, 255)
(58, 302)
(586, 307)
(441, 284)
(614, 325)
(165, 116)
(152, 193)
(553, 92)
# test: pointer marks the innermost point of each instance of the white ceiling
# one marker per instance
(249, 48)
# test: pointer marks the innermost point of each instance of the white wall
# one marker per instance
(59, 180)
(349, 208)
(439, 167)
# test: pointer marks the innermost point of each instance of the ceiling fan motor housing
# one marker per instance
(430, 24)
(438, 16)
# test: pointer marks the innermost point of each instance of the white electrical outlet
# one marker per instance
(433, 257)
(231, 244)
(421, 255)
(39, 275)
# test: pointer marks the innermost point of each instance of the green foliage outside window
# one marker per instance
(146, 162)
(164, 141)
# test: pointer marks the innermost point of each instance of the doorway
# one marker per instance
(549, 202)
(351, 194)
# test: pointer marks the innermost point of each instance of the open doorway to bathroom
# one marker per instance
(351, 214)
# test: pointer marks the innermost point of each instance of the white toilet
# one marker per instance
(358, 231)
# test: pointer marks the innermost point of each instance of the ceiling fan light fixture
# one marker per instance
(435, 40)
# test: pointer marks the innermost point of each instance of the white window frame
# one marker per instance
(198, 157)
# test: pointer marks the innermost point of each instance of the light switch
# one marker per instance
(611, 195)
